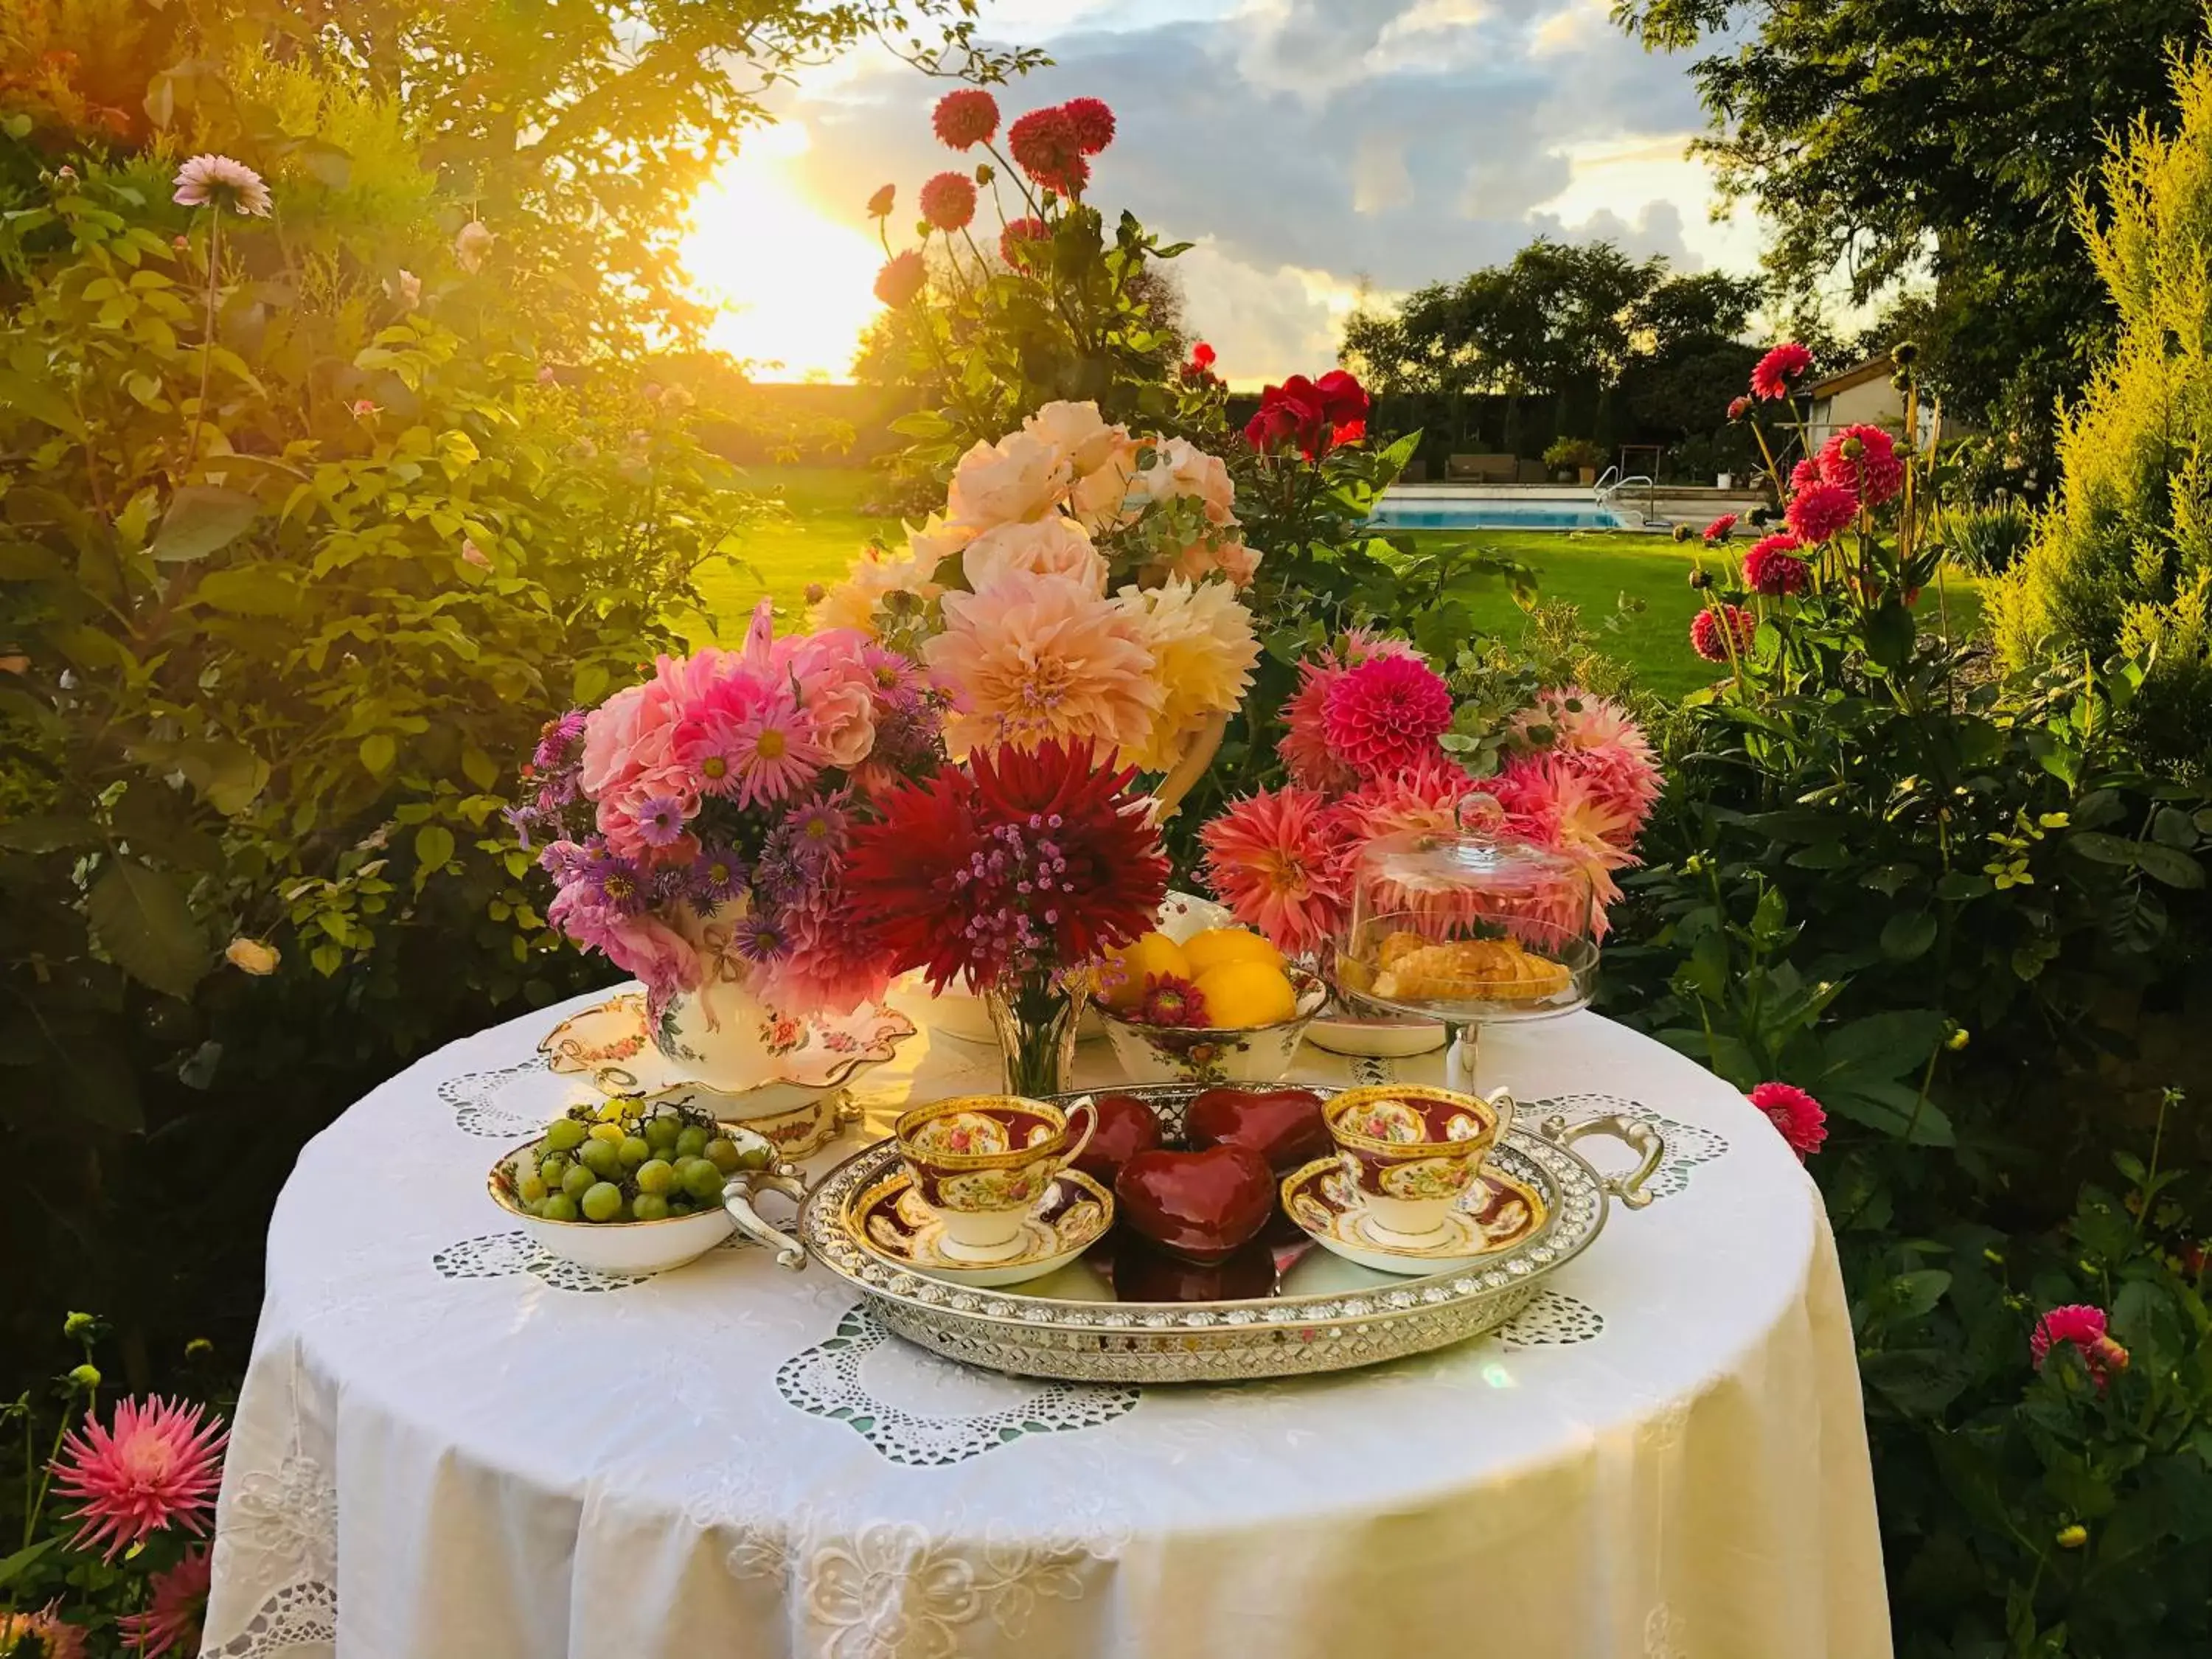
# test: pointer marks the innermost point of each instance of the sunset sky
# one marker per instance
(1308, 147)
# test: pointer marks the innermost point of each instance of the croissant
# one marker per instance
(1495, 970)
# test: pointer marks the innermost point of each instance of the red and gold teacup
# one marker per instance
(1413, 1152)
(983, 1163)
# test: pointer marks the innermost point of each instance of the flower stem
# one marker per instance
(207, 341)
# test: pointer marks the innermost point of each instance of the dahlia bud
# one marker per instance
(879, 205)
(1852, 447)
(2073, 1537)
(198, 1348)
(1903, 353)
(250, 955)
(67, 175)
(85, 1377)
(984, 173)
(77, 1327)
(1960, 1037)
(1685, 532)
(816, 593)
(1738, 407)
(1700, 580)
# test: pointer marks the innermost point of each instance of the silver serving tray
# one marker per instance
(1327, 1314)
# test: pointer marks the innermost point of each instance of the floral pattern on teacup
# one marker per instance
(985, 1190)
(1428, 1177)
(1393, 1121)
(961, 1135)
(1462, 1127)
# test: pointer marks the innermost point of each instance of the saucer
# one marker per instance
(1495, 1212)
(891, 1222)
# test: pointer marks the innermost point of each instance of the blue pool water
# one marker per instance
(1478, 513)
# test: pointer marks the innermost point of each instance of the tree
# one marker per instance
(1894, 138)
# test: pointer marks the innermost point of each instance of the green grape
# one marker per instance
(650, 1206)
(601, 1159)
(578, 1181)
(722, 1152)
(559, 1206)
(691, 1140)
(759, 1156)
(534, 1206)
(655, 1174)
(680, 1207)
(661, 1131)
(632, 1151)
(700, 1179)
(610, 1132)
(602, 1201)
(531, 1188)
(564, 1134)
(552, 1169)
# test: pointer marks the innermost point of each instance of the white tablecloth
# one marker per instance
(449, 1445)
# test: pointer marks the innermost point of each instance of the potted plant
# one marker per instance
(1579, 455)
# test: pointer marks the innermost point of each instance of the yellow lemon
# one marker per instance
(1122, 982)
(1244, 993)
(1219, 944)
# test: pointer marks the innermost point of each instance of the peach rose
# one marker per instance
(1102, 497)
(1056, 546)
(1179, 468)
(1020, 476)
(1077, 431)
(844, 720)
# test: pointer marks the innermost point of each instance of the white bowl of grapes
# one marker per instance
(625, 1187)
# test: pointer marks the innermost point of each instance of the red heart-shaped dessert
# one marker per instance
(1203, 1205)
(1125, 1127)
(1143, 1273)
(1284, 1125)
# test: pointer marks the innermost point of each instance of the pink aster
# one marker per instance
(1863, 459)
(776, 753)
(2086, 1329)
(710, 751)
(1821, 510)
(179, 1602)
(220, 181)
(1776, 567)
(1718, 530)
(1387, 715)
(157, 1467)
(1802, 1119)
(1708, 639)
(1271, 859)
(1778, 370)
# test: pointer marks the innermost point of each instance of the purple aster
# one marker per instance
(760, 940)
(893, 678)
(565, 861)
(815, 832)
(660, 820)
(615, 884)
(557, 738)
(718, 878)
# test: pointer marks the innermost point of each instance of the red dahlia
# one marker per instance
(1776, 568)
(1028, 228)
(1820, 511)
(966, 117)
(1718, 530)
(1780, 370)
(1707, 640)
(948, 201)
(1802, 1119)
(1014, 863)
(901, 279)
(1863, 459)
(1093, 121)
(1045, 145)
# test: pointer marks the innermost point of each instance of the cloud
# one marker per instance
(1319, 143)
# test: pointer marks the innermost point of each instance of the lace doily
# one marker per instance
(497, 1255)
(477, 1107)
(826, 1380)
(296, 1620)
(1553, 1320)
(1688, 1145)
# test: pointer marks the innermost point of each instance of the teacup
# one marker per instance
(983, 1163)
(1412, 1153)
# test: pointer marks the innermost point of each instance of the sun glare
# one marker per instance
(794, 286)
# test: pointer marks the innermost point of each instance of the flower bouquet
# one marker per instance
(1016, 871)
(698, 827)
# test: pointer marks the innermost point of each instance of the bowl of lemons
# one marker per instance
(1219, 1005)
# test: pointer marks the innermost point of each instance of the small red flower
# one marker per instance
(965, 119)
(1780, 370)
(1804, 475)
(1202, 356)
(1718, 530)
(1863, 459)
(1738, 407)
(1706, 636)
(1094, 122)
(902, 280)
(1344, 401)
(1045, 145)
(1028, 228)
(1822, 511)
(948, 201)
(1773, 567)
(1170, 999)
(1802, 1119)
(2086, 1329)
(880, 205)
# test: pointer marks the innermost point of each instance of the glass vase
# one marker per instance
(1035, 1022)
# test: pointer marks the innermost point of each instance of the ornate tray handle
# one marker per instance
(738, 1198)
(1638, 1136)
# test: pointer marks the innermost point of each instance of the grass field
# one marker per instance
(824, 525)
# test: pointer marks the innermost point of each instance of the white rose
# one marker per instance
(1020, 476)
(1077, 431)
(1056, 546)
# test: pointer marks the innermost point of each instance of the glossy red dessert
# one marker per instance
(1199, 1205)
(1143, 1273)
(1284, 1125)
(1125, 1127)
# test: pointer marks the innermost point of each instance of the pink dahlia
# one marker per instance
(1804, 475)
(965, 119)
(1776, 567)
(179, 1602)
(157, 1467)
(1549, 801)
(1708, 640)
(1271, 859)
(1046, 145)
(2085, 1328)
(1802, 1121)
(1864, 459)
(901, 279)
(1042, 659)
(1093, 119)
(1718, 530)
(1015, 241)
(1775, 374)
(1821, 510)
(220, 181)
(1600, 740)
(1387, 715)
(1304, 745)
(948, 201)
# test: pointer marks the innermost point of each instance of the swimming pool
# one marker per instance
(1478, 512)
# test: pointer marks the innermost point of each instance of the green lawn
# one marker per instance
(824, 524)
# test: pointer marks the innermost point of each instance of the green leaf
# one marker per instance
(434, 845)
(13, 1567)
(40, 402)
(250, 590)
(48, 834)
(27, 561)
(1908, 935)
(202, 520)
(142, 918)
(2095, 845)
(378, 751)
(2169, 865)
(1885, 1045)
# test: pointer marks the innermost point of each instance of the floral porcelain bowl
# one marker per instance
(1209, 1054)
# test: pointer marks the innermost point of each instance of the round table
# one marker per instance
(449, 1443)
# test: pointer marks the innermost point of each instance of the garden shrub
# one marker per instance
(2121, 560)
(1988, 541)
